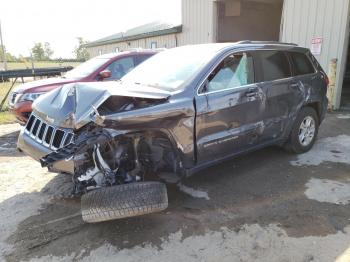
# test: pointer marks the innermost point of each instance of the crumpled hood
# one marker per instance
(72, 105)
(26, 87)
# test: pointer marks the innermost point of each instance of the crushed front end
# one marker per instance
(66, 134)
(102, 158)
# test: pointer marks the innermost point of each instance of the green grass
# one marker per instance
(4, 87)
(6, 117)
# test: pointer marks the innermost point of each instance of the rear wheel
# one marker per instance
(304, 131)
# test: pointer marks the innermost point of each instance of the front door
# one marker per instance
(230, 107)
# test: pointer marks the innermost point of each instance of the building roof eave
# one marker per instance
(172, 30)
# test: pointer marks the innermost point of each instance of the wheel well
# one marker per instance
(316, 107)
(158, 139)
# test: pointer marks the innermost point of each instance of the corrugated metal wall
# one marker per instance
(198, 22)
(306, 19)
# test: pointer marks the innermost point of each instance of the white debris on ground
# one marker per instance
(20, 196)
(251, 243)
(330, 191)
(331, 149)
(343, 116)
(193, 192)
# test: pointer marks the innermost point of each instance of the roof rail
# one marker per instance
(264, 42)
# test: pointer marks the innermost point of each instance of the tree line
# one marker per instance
(43, 52)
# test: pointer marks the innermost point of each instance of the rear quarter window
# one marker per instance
(274, 65)
(302, 64)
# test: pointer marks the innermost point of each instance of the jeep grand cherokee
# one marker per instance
(180, 111)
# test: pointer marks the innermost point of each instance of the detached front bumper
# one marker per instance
(37, 151)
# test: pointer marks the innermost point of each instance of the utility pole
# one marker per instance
(3, 49)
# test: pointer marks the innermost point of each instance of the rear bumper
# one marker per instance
(35, 150)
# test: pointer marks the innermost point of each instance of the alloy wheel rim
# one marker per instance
(307, 131)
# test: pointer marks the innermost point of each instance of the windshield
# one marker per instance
(169, 69)
(86, 68)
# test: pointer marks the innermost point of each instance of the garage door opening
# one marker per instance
(248, 20)
(345, 96)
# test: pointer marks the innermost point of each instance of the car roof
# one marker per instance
(250, 45)
(271, 45)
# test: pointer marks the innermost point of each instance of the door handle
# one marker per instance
(294, 85)
(251, 92)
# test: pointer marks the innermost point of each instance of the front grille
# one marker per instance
(47, 135)
(58, 138)
(42, 131)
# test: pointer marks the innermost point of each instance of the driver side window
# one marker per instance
(120, 67)
(234, 71)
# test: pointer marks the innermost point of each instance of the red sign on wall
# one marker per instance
(316, 45)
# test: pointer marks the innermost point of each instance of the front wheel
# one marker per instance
(304, 131)
(123, 201)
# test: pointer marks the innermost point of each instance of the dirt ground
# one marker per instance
(265, 206)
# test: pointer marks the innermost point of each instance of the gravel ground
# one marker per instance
(265, 206)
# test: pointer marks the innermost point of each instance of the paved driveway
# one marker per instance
(265, 206)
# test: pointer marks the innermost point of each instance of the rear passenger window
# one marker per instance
(302, 65)
(274, 64)
(234, 71)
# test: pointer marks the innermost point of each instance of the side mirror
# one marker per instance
(105, 74)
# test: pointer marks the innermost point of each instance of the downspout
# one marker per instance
(282, 21)
(332, 75)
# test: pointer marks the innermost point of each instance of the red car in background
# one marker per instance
(106, 67)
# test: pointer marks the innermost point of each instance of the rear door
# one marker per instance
(303, 70)
(282, 93)
(230, 108)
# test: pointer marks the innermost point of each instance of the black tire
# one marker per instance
(293, 144)
(123, 201)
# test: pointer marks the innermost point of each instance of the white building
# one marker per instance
(323, 25)
(320, 24)
(202, 21)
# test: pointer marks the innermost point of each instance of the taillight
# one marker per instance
(326, 79)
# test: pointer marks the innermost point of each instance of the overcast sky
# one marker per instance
(59, 22)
